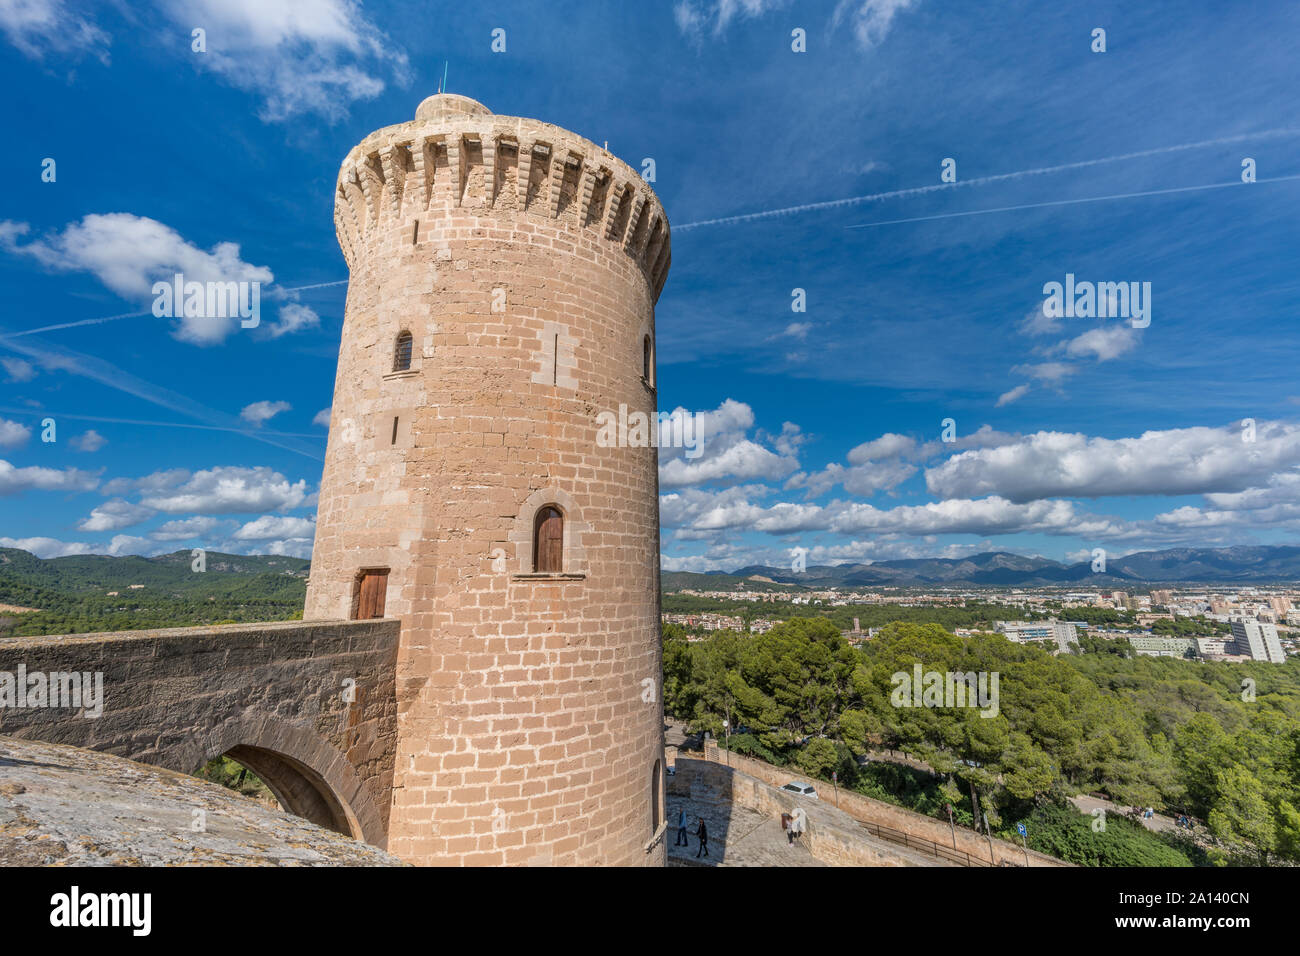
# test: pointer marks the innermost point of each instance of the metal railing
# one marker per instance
(938, 850)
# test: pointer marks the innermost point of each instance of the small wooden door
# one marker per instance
(371, 594)
(548, 541)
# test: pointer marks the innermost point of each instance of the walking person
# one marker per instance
(702, 834)
(681, 829)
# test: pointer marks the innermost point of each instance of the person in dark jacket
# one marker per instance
(682, 839)
(702, 833)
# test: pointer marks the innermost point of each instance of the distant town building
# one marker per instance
(1150, 645)
(1214, 646)
(1257, 640)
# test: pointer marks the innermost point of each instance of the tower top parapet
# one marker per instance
(456, 154)
(445, 105)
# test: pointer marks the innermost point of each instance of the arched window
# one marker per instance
(646, 360)
(548, 540)
(402, 353)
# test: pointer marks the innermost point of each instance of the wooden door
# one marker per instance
(371, 594)
(548, 548)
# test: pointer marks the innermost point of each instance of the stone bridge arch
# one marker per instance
(310, 707)
(307, 774)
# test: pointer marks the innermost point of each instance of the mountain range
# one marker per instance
(1239, 565)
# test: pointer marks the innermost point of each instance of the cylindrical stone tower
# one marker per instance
(503, 279)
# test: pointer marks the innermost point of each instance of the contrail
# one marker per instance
(105, 373)
(11, 410)
(982, 180)
(137, 315)
(1070, 202)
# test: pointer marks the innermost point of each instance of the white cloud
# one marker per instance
(301, 56)
(48, 547)
(798, 330)
(259, 412)
(1014, 395)
(114, 515)
(1036, 322)
(271, 526)
(323, 417)
(40, 27)
(13, 434)
(1105, 343)
(184, 529)
(888, 445)
(128, 544)
(1051, 372)
(130, 253)
(227, 490)
(17, 370)
(743, 461)
(693, 17)
(289, 547)
(993, 515)
(13, 480)
(727, 452)
(1178, 461)
(294, 317)
(865, 479)
(90, 441)
(871, 20)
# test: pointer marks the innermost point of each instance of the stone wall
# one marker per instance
(65, 806)
(885, 814)
(309, 707)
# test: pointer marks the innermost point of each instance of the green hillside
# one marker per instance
(72, 595)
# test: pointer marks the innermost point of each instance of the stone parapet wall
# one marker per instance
(310, 706)
(882, 814)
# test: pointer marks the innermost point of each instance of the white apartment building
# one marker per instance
(1258, 640)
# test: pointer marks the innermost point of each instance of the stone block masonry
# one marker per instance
(309, 707)
(524, 263)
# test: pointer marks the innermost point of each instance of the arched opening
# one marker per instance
(402, 352)
(272, 777)
(548, 540)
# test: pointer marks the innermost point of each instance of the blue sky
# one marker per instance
(779, 170)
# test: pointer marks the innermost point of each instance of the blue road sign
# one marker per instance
(1020, 828)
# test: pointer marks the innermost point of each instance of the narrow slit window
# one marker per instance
(645, 359)
(402, 353)
(394, 441)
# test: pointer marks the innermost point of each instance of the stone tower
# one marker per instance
(503, 280)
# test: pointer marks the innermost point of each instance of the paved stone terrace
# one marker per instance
(738, 836)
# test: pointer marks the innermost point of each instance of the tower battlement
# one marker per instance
(457, 155)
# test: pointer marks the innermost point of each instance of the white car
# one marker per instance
(801, 789)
